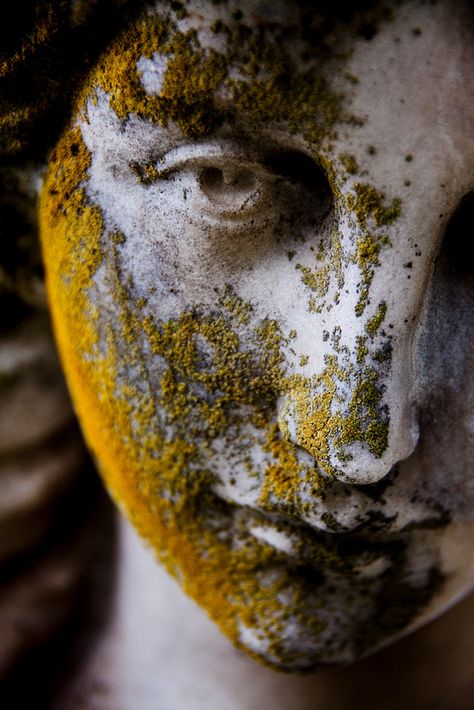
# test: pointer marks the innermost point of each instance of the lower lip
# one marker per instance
(275, 538)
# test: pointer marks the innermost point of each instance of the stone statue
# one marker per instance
(255, 236)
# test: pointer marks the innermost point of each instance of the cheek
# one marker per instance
(177, 261)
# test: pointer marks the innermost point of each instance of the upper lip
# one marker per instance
(375, 525)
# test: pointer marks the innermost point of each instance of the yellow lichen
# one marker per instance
(374, 323)
(367, 205)
(349, 163)
(317, 280)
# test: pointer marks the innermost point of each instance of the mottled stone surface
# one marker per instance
(255, 231)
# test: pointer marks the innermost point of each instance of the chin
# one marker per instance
(332, 600)
(345, 616)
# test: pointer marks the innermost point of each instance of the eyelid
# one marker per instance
(209, 154)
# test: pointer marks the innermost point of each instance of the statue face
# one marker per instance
(264, 307)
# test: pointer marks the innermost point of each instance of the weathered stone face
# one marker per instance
(267, 339)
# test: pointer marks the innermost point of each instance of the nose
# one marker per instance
(357, 421)
(388, 434)
(357, 432)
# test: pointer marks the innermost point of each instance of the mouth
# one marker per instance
(364, 586)
(343, 516)
(366, 550)
(374, 539)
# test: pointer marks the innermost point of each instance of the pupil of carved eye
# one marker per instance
(212, 178)
(215, 181)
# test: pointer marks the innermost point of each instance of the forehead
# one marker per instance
(376, 85)
(207, 63)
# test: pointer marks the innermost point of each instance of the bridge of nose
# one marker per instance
(354, 410)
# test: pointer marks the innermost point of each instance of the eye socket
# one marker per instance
(299, 169)
(219, 180)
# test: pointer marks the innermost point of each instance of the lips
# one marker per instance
(329, 545)
(373, 513)
(295, 539)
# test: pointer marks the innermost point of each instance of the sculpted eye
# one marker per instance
(219, 181)
(224, 185)
(225, 182)
(233, 188)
